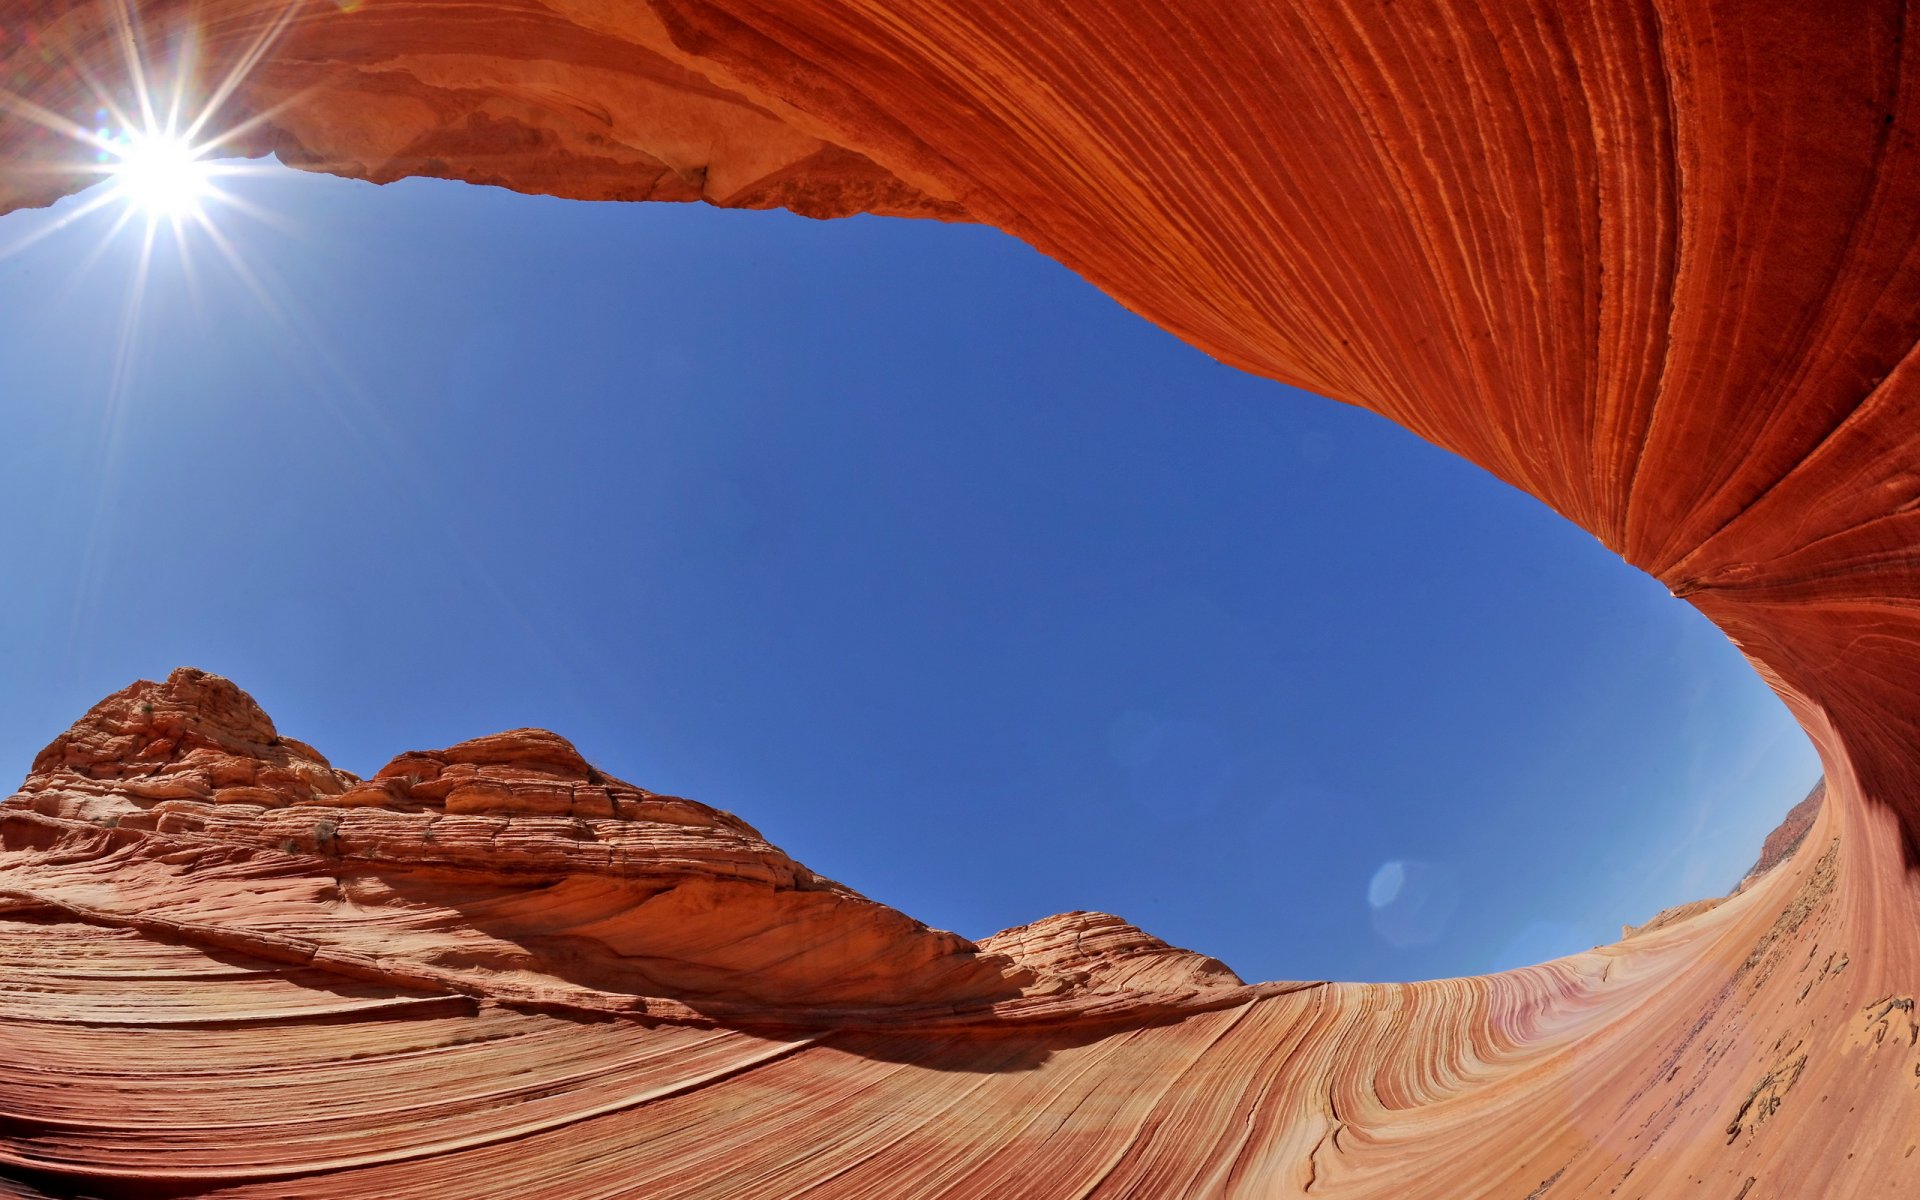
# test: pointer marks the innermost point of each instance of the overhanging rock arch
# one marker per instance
(1657, 263)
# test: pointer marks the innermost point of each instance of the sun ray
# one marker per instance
(157, 157)
(240, 70)
(120, 222)
(111, 427)
(182, 71)
(146, 136)
(269, 304)
(103, 96)
(27, 110)
(93, 205)
(280, 223)
(265, 116)
(135, 64)
(190, 271)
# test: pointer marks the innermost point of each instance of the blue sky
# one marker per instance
(966, 586)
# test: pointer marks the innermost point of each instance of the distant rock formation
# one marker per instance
(1655, 262)
(1787, 836)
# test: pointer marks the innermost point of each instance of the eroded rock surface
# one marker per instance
(580, 98)
(506, 866)
(1656, 263)
(229, 966)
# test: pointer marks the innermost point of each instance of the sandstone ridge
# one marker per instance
(509, 868)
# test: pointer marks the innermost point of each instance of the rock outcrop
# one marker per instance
(1657, 263)
(504, 867)
(1788, 835)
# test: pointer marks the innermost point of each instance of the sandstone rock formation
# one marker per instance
(1789, 835)
(1655, 261)
(492, 970)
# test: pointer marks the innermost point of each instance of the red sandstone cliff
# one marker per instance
(1657, 262)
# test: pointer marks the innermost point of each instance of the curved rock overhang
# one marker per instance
(1656, 262)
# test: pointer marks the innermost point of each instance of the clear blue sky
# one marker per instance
(965, 585)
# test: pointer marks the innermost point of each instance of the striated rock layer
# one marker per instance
(492, 970)
(1655, 261)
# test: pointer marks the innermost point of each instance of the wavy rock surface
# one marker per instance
(1656, 262)
(230, 967)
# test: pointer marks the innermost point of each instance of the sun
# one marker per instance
(161, 174)
(151, 135)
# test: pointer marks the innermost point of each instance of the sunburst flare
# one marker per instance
(162, 174)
